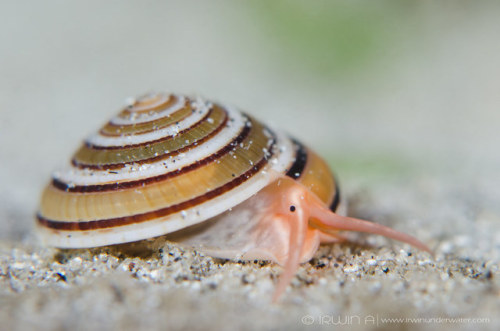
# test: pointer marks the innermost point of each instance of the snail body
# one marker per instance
(208, 175)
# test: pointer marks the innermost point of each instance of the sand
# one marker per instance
(373, 282)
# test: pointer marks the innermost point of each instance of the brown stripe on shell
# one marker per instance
(128, 111)
(131, 184)
(66, 206)
(116, 130)
(158, 157)
(300, 162)
(139, 218)
(192, 127)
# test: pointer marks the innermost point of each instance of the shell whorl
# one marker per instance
(163, 163)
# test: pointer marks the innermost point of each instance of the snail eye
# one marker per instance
(292, 208)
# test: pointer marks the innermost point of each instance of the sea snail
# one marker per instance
(213, 177)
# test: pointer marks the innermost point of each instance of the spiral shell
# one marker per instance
(164, 163)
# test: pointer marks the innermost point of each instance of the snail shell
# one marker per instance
(167, 162)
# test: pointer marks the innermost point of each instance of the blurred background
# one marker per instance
(384, 90)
